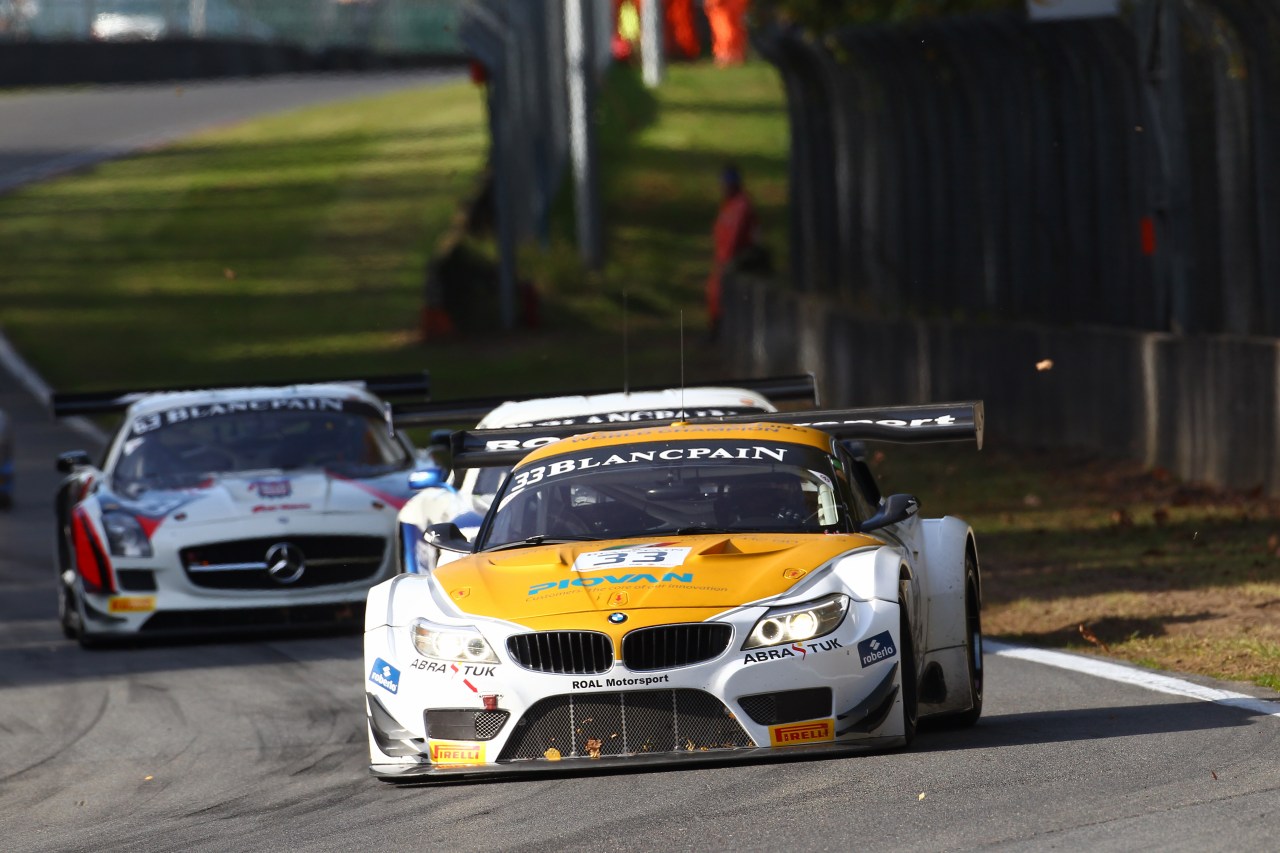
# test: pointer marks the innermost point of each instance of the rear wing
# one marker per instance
(800, 388)
(901, 424)
(102, 402)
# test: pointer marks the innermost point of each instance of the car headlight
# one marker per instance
(443, 643)
(125, 536)
(798, 622)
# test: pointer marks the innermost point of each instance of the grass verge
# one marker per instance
(288, 246)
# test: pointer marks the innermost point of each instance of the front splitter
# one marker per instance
(434, 773)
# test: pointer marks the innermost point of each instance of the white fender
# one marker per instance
(872, 575)
(943, 544)
(377, 606)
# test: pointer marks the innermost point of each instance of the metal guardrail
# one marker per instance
(387, 26)
(1111, 171)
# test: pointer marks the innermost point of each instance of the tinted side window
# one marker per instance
(864, 495)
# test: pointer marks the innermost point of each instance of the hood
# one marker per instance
(231, 497)
(548, 586)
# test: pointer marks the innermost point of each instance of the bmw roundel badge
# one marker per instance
(617, 618)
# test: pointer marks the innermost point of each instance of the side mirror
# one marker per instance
(447, 537)
(426, 478)
(73, 459)
(895, 508)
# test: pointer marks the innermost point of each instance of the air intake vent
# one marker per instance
(789, 706)
(606, 725)
(563, 652)
(668, 646)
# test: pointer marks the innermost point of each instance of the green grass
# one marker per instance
(296, 245)
(293, 245)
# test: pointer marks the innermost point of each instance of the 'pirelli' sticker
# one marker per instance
(132, 604)
(456, 752)
(792, 734)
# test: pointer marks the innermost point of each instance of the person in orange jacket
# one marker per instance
(735, 232)
(681, 34)
(728, 19)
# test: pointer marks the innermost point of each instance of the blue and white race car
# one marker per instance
(227, 509)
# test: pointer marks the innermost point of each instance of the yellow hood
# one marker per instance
(540, 588)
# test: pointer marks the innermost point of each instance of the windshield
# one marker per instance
(668, 488)
(184, 445)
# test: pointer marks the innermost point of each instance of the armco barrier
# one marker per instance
(1203, 407)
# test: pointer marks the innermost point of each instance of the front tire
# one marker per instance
(910, 679)
(973, 641)
(972, 647)
(69, 612)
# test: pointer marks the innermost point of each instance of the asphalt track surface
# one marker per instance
(260, 745)
(49, 132)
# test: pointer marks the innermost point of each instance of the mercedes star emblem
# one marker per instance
(285, 563)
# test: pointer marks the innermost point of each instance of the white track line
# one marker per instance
(26, 375)
(1130, 675)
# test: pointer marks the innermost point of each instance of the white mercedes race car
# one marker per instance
(708, 589)
(467, 498)
(231, 508)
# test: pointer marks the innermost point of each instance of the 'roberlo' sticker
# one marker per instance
(877, 648)
(385, 676)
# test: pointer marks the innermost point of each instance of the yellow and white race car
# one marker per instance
(708, 589)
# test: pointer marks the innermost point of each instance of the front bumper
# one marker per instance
(157, 597)
(428, 718)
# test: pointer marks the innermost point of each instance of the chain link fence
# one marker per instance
(1114, 171)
